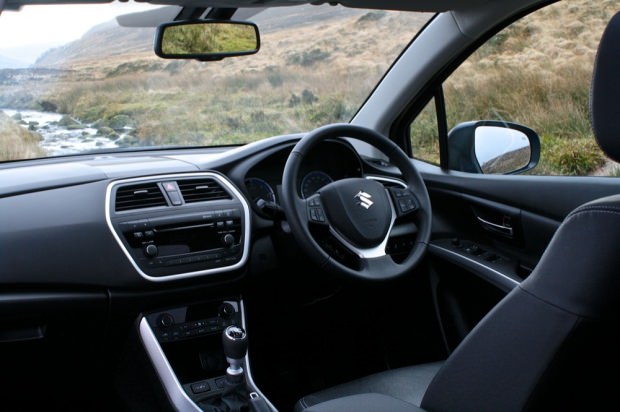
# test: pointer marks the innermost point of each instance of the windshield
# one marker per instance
(73, 80)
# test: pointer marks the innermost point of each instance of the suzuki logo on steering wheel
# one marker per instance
(364, 199)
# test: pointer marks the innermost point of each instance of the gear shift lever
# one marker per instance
(235, 397)
(235, 344)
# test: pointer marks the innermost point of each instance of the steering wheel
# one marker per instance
(358, 212)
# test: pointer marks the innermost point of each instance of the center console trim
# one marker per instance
(174, 390)
(248, 372)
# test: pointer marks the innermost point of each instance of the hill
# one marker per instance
(105, 42)
(109, 45)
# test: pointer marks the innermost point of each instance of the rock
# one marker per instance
(107, 132)
(121, 121)
(68, 121)
(48, 106)
(17, 116)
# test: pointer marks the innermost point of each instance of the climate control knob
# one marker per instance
(165, 320)
(151, 250)
(228, 240)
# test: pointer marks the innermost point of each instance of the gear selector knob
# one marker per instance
(235, 345)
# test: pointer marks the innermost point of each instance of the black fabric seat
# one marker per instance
(551, 344)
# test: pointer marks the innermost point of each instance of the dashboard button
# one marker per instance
(200, 387)
(151, 250)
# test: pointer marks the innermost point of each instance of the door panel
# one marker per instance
(489, 232)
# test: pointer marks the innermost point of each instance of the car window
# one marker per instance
(425, 139)
(73, 80)
(537, 73)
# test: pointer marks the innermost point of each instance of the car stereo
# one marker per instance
(178, 237)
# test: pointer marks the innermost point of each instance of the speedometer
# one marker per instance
(259, 189)
(312, 182)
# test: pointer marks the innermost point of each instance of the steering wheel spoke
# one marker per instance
(379, 268)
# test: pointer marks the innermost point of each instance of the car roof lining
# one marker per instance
(405, 5)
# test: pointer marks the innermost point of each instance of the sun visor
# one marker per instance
(405, 5)
(411, 5)
(17, 4)
(150, 18)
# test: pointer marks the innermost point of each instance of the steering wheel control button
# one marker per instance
(404, 201)
(406, 205)
(315, 210)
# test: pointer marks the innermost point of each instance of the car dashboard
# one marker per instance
(162, 238)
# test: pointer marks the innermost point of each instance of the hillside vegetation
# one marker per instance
(16, 142)
(281, 89)
(537, 72)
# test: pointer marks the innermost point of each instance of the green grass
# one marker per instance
(207, 113)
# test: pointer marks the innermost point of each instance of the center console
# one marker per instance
(184, 345)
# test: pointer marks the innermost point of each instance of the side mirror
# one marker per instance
(206, 40)
(493, 147)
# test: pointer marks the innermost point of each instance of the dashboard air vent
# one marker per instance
(201, 190)
(139, 196)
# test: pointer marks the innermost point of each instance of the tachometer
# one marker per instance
(312, 182)
(259, 189)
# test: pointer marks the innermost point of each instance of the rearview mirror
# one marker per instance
(206, 39)
(493, 147)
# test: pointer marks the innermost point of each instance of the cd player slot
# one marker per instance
(187, 227)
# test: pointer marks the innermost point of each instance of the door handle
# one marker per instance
(504, 230)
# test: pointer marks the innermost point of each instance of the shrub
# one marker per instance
(308, 57)
(372, 16)
(16, 142)
(573, 157)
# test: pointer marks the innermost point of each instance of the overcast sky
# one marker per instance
(50, 26)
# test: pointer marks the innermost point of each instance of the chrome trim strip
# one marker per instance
(221, 179)
(248, 372)
(387, 179)
(503, 279)
(174, 390)
(374, 252)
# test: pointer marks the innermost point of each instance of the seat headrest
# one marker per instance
(605, 91)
